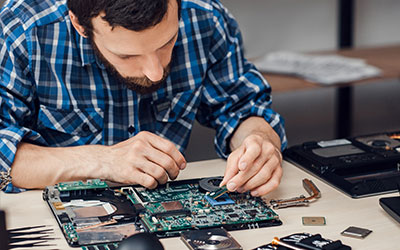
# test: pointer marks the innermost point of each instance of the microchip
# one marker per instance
(228, 210)
(251, 212)
(172, 205)
(356, 232)
(139, 208)
(233, 215)
(178, 189)
(314, 221)
(64, 218)
(222, 200)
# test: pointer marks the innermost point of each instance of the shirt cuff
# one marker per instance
(10, 137)
(224, 135)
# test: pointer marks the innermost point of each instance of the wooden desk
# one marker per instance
(385, 58)
(340, 211)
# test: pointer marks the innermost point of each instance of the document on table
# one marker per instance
(323, 69)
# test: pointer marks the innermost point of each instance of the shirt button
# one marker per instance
(85, 127)
(131, 129)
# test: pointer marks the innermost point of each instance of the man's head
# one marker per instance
(133, 38)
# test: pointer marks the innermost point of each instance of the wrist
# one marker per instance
(254, 126)
(86, 162)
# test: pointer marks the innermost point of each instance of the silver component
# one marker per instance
(5, 179)
(356, 232)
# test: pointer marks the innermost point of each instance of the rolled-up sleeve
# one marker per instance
(234, 88)
(17, 110)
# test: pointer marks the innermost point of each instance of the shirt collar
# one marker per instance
(86, 51)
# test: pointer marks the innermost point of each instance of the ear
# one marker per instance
(77, 26)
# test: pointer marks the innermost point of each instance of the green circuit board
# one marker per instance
(95, 215)
(81, 185)
(180, 207)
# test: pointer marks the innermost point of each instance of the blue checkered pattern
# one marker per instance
(54, 91)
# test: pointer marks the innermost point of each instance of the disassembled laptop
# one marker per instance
(96, 213)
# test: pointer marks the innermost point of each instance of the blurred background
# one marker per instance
(306, 26)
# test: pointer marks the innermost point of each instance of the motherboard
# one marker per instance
(94, 212)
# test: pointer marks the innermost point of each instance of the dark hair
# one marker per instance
(134, 15)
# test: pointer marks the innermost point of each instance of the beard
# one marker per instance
(141, 85)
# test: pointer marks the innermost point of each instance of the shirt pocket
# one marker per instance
(172, 109)
(61, 124)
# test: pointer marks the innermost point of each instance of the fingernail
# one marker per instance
(231, 186)
(183, 166)
(254, 193)
(243, 166)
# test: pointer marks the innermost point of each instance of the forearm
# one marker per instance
(37, 166)
(254, 125)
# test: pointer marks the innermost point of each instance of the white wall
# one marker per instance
(310, 25)
(377, 22)
(300, 25)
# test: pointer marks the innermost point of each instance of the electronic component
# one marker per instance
(141, 241)
(81, 185)
(356, 232)
(314, 221)
(217, 193)
(221, 200)
(303, 241)
(277, 242)
(100, 216)
(209, 184)
(172, 205)
(392, 206)
(312, 190)
(359, 166)
(214, 238)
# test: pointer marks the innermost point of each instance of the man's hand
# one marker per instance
(255, 165)
(144, 159)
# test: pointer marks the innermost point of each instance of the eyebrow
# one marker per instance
(170, 40)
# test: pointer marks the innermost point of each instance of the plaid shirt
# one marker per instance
(55, 92)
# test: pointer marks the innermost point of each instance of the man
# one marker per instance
(110, 89)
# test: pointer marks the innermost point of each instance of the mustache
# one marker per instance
(144, 85)
(141, 85)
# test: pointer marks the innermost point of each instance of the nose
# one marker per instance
(152, 67)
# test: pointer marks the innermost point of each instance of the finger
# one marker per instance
(242, 177)
(279, 153)
(155, 171)
(143, 179)
(167, 147)
(263, 175)
(272, 184)
(164, 161)
(252, 151)
(232, 167)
